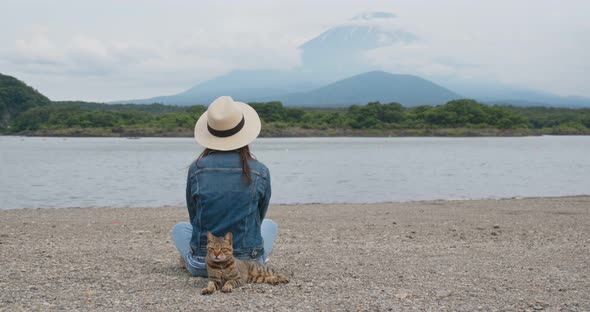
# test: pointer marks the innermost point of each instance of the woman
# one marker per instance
(227, 190)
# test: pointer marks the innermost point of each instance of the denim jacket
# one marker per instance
(220, 200)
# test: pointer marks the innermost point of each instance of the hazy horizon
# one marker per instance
(116, 50)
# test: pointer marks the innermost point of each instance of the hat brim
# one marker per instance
(244, 137)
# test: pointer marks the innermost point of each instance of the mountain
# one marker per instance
(374, 86)
(246, 85)
(336, 53)
(497, 93)
(16, 97)
(342, 51)
(359, 89)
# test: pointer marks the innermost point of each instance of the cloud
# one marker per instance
(419, 58)
(148, 48)
(86, 55)
(80, 55)
(173, 63)
(374, 15)
(550, 56)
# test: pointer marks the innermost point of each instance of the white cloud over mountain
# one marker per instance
(111, 49)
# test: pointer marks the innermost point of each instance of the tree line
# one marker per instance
(464, 113)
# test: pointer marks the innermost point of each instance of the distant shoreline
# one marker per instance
(584, 197)
(274, 132)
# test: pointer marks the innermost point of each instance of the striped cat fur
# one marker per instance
(226, 272)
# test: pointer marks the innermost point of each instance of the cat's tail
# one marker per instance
(263, 274)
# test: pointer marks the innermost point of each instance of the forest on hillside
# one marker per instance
(15, 98)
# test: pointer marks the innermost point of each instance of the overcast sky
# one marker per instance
(122, 49)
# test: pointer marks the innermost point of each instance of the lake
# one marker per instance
(94, 172)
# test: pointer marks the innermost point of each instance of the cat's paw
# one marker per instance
(283, 278)
(227, 288)
(207, 291)
(279, 278)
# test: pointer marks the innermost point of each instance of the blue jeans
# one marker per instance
(182, 232)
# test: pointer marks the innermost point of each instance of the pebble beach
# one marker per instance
(530, 254)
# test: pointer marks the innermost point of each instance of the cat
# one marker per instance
(226, 272)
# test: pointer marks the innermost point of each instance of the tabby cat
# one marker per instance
(226, 272)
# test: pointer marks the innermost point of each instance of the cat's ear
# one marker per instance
(228, 237)
(210, 236)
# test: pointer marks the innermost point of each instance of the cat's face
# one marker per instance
(219, 249)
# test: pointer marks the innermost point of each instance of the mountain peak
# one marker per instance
(342, 49)
(379, 74)
(374, 86)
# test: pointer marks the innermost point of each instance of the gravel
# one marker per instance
(481, 255)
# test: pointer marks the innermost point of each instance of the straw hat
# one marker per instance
(227, 125)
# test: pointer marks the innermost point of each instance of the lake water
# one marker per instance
(90, 172)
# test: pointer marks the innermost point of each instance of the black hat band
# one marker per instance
(229, 132)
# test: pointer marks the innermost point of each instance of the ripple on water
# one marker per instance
(152, 171)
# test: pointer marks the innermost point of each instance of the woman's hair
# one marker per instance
(245, 155)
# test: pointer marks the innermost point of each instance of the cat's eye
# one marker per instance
(224, 249)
